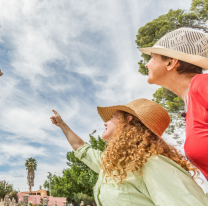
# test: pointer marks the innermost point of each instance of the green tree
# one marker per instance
(13, 194)
(5, 188)
(78, 178)
(200, 8)
(82, 197)
(174, 105)
(149, 34)
(46, 184)
(31, 166)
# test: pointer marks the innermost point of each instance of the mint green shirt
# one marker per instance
(163, 183)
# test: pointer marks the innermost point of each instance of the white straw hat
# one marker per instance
(186, 44)
(151, 114)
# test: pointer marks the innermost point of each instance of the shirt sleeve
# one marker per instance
(90, 156)
(200, 89)
(169, 185)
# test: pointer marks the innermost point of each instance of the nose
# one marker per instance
(146, 65)
(105, 124)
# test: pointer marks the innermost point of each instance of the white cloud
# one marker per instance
(70, 56)
(24, 152)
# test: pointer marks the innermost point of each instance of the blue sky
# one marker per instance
(71, 56)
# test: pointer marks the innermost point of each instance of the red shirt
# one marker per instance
(196, 144)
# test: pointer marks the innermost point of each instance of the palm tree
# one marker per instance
(31, 166)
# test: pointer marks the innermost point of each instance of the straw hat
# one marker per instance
(151, 114)
(186, 44)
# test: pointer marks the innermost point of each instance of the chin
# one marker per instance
(105, 137)
(149, 80)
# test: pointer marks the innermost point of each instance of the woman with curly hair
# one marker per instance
(137, 167)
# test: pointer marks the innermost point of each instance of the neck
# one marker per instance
(179, 84)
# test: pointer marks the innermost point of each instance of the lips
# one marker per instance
(149, 72)
(105, 130)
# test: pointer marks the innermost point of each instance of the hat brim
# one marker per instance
(106, 113)
(190, 58)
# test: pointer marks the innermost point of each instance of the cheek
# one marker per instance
(154, 65)
(109, 132)
(106, 136)
(157, 68)
(113, 126)
(149, 63)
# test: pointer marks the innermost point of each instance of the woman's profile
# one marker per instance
(177, 63)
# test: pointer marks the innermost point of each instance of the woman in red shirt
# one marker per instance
(177, 61)
(196, 144)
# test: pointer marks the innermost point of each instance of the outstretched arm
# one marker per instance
(74, 140)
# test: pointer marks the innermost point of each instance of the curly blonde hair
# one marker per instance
(131, 145)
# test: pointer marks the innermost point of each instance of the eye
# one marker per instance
(151, 55)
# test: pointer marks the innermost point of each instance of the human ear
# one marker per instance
(171, 64)
(129, 118)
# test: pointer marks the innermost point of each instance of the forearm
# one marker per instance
(74, 140)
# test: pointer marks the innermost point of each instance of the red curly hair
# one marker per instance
(130, 147)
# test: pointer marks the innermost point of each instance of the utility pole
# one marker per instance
(49, 177)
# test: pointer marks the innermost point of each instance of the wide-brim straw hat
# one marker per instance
(151, 114)
(186, 44)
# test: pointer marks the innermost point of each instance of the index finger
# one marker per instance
(55, 112)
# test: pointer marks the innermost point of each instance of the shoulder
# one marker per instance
(162, 164)
(156, 161)
(199, 79)
(199, 85)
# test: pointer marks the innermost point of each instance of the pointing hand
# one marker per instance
(56, 119)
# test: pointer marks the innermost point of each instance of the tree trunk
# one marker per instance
(30, 179)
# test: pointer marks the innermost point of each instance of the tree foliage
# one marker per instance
(13, 194)
(200, 8)
(5, 188)
(82, 197)
(149, 34)
(78, 178)
(31, 164)
(46, 184)
(174, 105)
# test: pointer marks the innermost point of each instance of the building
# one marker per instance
(40, 192)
